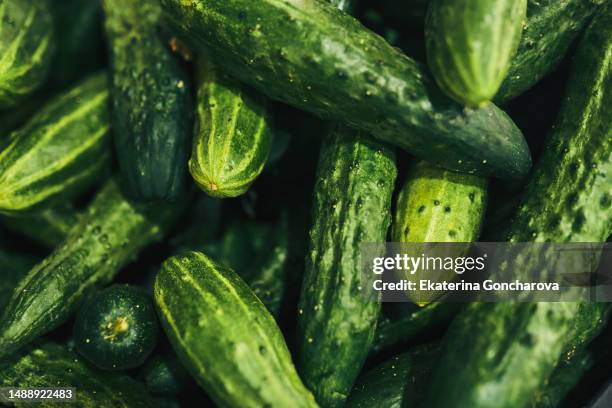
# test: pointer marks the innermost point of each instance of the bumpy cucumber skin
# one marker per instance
(233, 134)
(109, 347)
(319, 59)
(27, 44)
(336, 320)
(111, 232)
(568, 200)
(51, 365)
(552, 26)
(225, 336)
(470, 44)
(14, 267)
(63, 149)
(152, 107)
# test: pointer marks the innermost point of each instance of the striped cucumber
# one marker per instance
(63, 149)
(52, 365)
(567, 200)
(233, 134)
(470, 44)
(111, 232)
(336, 321)
(437, 205)
(152, 102)
(27, 44)
(225, 336)
(319, 59)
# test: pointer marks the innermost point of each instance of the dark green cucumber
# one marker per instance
(233, 134)
(64, 148)
(552, 26)
(55, 366)
(336, 321)
(48, 228)
(117, 328)
(27, 43)
(437, 205)
(152, 102)
(567, 200)
(165, 375)
(395, 383)
(470, 44)
(225, 336)
(319, 59)
(14, 267)
(110, 234)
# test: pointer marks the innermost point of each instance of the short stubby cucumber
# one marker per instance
(52, 365)
(470, 44)
(437, 205)
(317, 58)
(551, 28)
(27, 44)
(63, 149)
(152, 107)
(110, 233)
(225, 336)
(233, 133)
(337, 314)
(567, 200)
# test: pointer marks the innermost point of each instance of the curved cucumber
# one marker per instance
(233, 134)
(437, 205)
(27, 43)
(111, 232)
(319, 59)
(63, 149)
(470, 44)
(225, 336)
(54, 366)
(152, 102)
(568, 200)
(336, 321)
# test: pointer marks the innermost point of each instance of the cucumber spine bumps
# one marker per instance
(568, 200)
(233, 133)
(470, 44)
(111, 232)
(225, 336)
(152, 106)
(306, 54)
(27, 44)
(63, 149)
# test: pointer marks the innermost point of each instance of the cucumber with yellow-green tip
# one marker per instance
(233, 133)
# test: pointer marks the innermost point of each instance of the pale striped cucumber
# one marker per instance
(233, 133)
(225, 336)
(63, 149)
(27, 43)
(437, 205)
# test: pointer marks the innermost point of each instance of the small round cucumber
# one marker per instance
(117, 328)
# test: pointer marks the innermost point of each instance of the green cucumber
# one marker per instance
(52, 365)
(14, 267)
(567, 200)
(319, 59)
(62, 150)
(117, 328)
(48, 228)
(551, 28)
(470, 44)
(437, 205)
(336, 321)
(233, 134)
(152, 102)
(165, 375)
(225, 336)
(110, 234)
(27, 44)
(397, 382)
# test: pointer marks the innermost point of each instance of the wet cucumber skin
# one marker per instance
(340, 70)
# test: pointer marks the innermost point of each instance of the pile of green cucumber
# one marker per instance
(187, 186)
